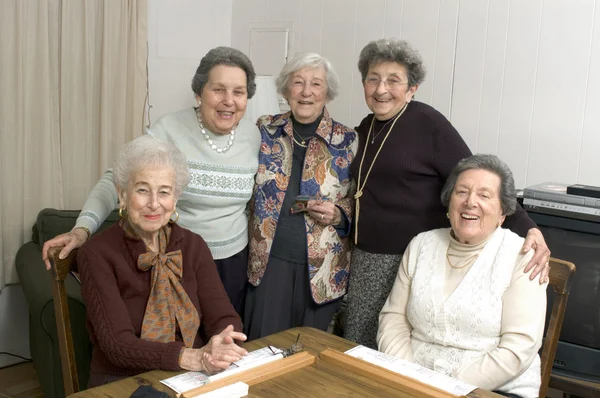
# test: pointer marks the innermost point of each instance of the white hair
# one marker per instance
(148, 151)
(310, 60)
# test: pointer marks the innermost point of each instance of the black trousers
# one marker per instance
(283, 300)
(234, 276)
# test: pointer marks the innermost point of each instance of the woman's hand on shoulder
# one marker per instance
(71, 241)
(217, 355)
(541, 256)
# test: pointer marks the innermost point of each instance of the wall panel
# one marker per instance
(368, 25)
(394, 12)
(520, 79)
(420, 29)
(468, 69)
(441, 73)
(560, 89)
(519, 86)
(310, 26)
(338, 46)
(488, 120)
(589, 156)
(176, 43)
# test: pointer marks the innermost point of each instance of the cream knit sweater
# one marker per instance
(214, 202)
(482, 324)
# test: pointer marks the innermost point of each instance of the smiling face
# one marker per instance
(475, 209)
(307, 93)
(224, 99)
(149, 200)
(386, 89)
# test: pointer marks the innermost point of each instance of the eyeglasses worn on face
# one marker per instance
(388, 83)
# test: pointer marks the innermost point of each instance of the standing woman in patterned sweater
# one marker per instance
(222, 153)
(299, 261)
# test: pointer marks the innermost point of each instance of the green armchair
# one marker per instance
(36, 283)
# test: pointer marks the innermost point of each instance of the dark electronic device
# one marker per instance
(578, 241)
(584, 190)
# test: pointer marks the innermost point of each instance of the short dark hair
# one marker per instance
(392, 50)
(491, 163)
(224, 56)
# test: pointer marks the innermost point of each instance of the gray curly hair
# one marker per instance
(392, 50)
(148, 151)
(493, 164)
(310, 60)
(224, 56)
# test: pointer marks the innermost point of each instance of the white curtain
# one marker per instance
(72, 92)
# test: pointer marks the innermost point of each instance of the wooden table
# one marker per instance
(318, 380)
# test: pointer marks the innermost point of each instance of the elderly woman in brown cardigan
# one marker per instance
(154, 298)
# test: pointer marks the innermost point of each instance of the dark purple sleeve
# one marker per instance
(448, 147)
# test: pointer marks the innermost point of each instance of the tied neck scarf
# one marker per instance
(169, 305)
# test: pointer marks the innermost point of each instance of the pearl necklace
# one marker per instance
(209, 141)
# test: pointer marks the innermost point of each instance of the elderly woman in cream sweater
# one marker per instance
(461, 303)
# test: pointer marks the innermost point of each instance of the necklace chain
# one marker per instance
(209, 141)
(359, 186)
(380, 130)
(471, 261)
(303, 144)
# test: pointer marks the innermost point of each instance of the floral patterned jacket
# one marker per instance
(326, 173)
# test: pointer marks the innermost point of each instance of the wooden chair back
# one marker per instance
(60, 270)
(561, 278)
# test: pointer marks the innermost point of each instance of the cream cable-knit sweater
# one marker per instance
(214, 202)
(483, 325)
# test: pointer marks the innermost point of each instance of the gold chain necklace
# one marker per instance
(294, 133)
(471, 261)
(359, 187)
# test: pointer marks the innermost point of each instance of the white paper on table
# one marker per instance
(186, 381)
(190, 380)
(235, 390)
(412, 370)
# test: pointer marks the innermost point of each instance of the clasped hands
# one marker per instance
(215, 356)
(324, 212)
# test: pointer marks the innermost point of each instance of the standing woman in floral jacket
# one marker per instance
(299, 261)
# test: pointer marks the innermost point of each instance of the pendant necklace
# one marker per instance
(302, 139)
(380, 130)
(360, 183)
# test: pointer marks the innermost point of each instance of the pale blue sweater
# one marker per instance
(214, 202)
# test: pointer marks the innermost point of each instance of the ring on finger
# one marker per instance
(322, 216)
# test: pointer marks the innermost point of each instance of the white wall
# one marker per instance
(14, 325)
(520, 79)
(180, 32)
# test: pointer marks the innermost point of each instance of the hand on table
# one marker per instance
(217, 355)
